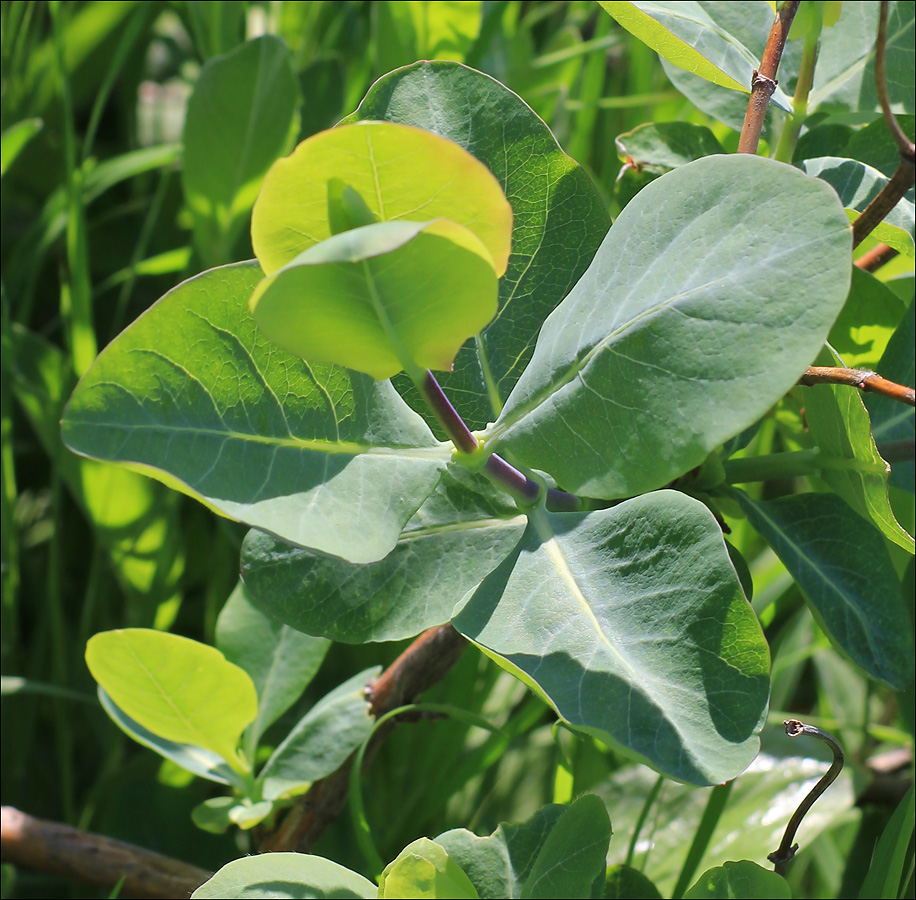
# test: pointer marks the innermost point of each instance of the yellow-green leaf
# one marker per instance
(177, 688)
(399, 171)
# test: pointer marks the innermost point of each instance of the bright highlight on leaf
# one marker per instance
(177, 688)
(381, 299)
(399, 171)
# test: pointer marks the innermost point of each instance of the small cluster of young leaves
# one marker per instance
(207, 708)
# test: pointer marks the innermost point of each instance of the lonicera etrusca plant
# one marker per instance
(525, 497)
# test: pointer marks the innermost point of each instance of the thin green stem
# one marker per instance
(793, 125)
(711, 815)
(791, 464)
(76, 292)
(651, 797)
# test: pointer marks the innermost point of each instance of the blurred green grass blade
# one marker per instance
(14, 140)
(715, 806)
(887, 866)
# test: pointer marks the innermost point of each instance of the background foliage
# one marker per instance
(105, 208)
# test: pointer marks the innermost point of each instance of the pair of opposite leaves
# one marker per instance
(382, 247)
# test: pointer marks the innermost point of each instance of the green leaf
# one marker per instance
(462, 532)
(857, 185)
(194, 759)
(322, 740)
(498, 865)
(631, 623)
(875, 146)
(871, 314)
(444, 29)
(181, 690)
(217, 814)
(213, 815)
(277, 876)
(842, 566)
(680, 335)
(381, 298)
(424, 869)
(573, 855)
(651, 150)
(242, 115)
(623, 882)
(887, 864)
(14, 140)
(850, 463)
(192, 394)
(687, 36)
(400, 172)
(559, 217)
(739, 879)
(891, 420)
(280, 660)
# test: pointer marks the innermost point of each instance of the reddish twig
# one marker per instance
(94, 859)
(863, 379)
(905, 176)
(876, 257)
(764, 81)
(426, 661)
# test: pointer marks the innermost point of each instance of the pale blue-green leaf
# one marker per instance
(702, 38)
(850, 462)
(280, 660)
(499, 864)
(857, 185)
(842, 566)
(322, 740)
(631, 622)
(242, 115)
(651, 150)
(559, 217)
(285, 876)
(749, 23)
(752, 823)
(679, 336)
(192, 394)
(573, 854)
(463, 531)
(201, 762)
(893, 421)
(743, 879)
(844, 78)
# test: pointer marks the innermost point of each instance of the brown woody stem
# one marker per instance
(875, 258)
(863, 379)
(94, 859)
(764, 81)
(426, 661)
